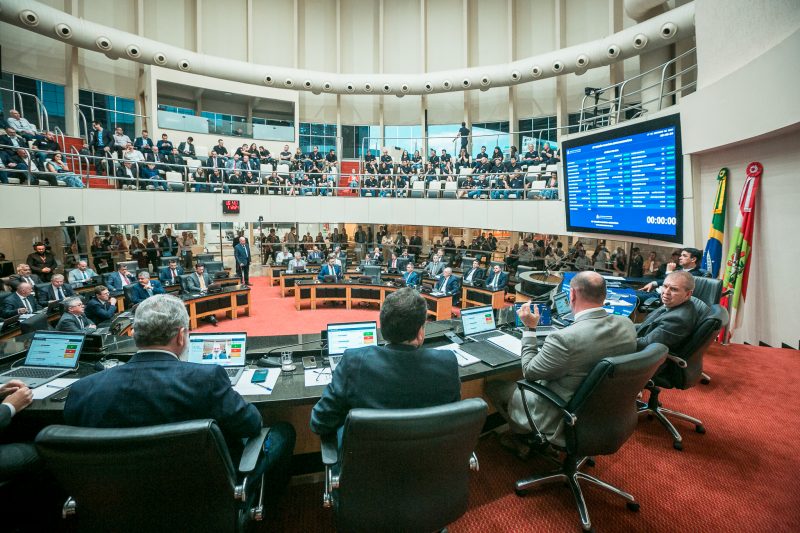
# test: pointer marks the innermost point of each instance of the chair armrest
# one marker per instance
(329, 445)
(677, 360)
(252, 449)
(547, 394)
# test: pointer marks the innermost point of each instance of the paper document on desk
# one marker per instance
(318, 376)
(463, 358)
(246, 388)
(508, 342)
(52, 387)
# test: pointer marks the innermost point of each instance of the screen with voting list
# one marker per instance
(627, 181)
(477, 320)
(55, 349)
(225, 349)
(343, 337)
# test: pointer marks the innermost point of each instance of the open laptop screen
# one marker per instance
(55, 349)
(477, 320)
(225, 349)
(343, 337)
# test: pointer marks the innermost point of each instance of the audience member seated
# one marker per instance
(128, 174)
(449, 284)
(102, 306)
(23, 274)
(45, 146)
(149, 178)
(21, 125)
(120, 279)
(689, 261)
(565, 359)
(145, 288)
(57, 166)
(164, 145)
(57, 291)
(21, 302)
(144, 144)
(186, 148)
(120, 142)
(10, 142)
(531, 157)
(400, 375)
(73, 319)
(156, 387)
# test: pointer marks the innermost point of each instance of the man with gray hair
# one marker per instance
(145, 288)
(74, 319)
(57, 291)
(157, 387)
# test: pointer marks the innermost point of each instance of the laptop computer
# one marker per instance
(228, 350)
(50, 355)
(349, 335)
(545, 326)
(563, 310)
(479, 326)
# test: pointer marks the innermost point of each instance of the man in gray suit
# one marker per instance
(74, 319)
(197, 283)
(565, 359)
(673, 323)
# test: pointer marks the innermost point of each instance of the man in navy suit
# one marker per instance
(102, 307)
(400, 375)
(120, 279)
(74, 319)
(145, 288)
(156, 387)
(448, 283)
(497, 280)
(56, 291)
(241, 254)
(410, 277)
(21, 302)
(476, 273)
(170, 274)
(330, 269)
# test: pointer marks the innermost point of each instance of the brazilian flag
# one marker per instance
(712, 256)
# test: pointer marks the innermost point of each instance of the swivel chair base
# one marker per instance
(570, 474)
(653, 408)
(705, 379)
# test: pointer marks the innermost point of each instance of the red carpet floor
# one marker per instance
(740, 476)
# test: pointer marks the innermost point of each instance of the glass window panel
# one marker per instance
(305, 128)
(317, 129)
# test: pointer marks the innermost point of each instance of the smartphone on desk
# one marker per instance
(259, 376)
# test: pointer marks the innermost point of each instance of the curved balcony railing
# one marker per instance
(42, 122)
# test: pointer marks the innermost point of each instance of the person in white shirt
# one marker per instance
(79, 276)
(296, 264)
(132, 154)
(283, 255)
(121, 141)
(21, 125)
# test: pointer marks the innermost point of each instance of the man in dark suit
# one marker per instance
(198, 282)
(128, 175)
(170, 275)
(674, 322)
(23, 274)
(102, 307)
(476, 273)
(448, 283)
(74, 319)
(330, 269)
(688, 260)
(409, 276)
(41, 261)
(400, 375)
(145, 288)
(156, 387)
(144, 143)
(120, 279)
(101, 142)
(241, 254)
(21, 302)
(56, 291)
(497, 280)
(168, 244)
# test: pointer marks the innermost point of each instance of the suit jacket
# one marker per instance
(99, 311)
(15, 279)
(434, 268)
(241, 254)
(36, 263)
(76, 276)
(143, 144)
(108, 140)
(156, 388)
(14, 302)
(326, 271)
(114, 281)
(671, 327)
(453, 285)
(139, 294)
(168, 245)
(48, 294)
(395, 376)
(165, 277)
(565, 359)
(501, 282)
(193, 282)
(477, 274)
(70, 323)
(411, 278)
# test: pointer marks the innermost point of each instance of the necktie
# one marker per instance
(59, 294)
(29, 280)
(28, 306)
(85, 275)
(202, 282)
(124, 280)
(172, 271)
(80, 320)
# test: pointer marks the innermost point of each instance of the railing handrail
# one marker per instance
(110, 110)
(41, 109)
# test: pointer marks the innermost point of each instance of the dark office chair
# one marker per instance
(402, 469)
(182, 279)
(683, 370)
(599, 418)
(127, 290)
(709, 291)
(171, 477)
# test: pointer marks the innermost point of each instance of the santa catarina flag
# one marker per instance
(737, 265)
(712, 256)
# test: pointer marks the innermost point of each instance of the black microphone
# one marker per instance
(267, 361)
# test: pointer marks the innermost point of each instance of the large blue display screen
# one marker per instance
(627, 181)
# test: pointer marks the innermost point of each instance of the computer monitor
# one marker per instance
(55, 349)
(213, 266)
(373, 271)
(203, 258)
(561, 303)
(477, 320)
(225, 349)
(401, 264)
(349, 335)
(466, 262)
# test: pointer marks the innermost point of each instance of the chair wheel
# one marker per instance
(705, 381)
(700, 429)
(520, 492)
(677, 445)
(633, 506)
(590, 462)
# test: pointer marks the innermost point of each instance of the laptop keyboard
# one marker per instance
(485, 335)
(29, 372)
(232, 372)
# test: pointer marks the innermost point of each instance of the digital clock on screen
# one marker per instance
(230, 207)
